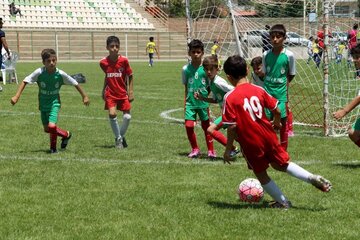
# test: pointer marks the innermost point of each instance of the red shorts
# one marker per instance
(259, 161)
(122, 105)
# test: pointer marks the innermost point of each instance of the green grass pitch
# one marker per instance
(151, 190)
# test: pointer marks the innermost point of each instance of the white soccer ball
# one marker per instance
(251, 191)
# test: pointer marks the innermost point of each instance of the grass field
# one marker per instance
(151, 190)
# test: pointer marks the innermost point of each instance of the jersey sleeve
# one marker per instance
(228, 113)
(183, 75)
(68, 79)
(128, 70)
(292, 68)
(223, 84)
(33, 77)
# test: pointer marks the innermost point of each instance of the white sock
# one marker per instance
(274, 191)
(125, 124)
(296, 171)
(115, 127)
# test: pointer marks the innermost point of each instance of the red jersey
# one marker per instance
(244, 106)
(115, 73)
(352, 38)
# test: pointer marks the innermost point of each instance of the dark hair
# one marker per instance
(235, 66)
(355, 51)
(46, 53)
(278, 28)
(196, 43)
(111, 39)
(267, 27)
(355, 26)
(210, 61)
(216, 41)
(256, 61)
(311, 38)
(151, 39)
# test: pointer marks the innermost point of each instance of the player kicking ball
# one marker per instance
(244, 113)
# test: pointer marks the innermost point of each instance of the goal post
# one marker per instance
(315, 92)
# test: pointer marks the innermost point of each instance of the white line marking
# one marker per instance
(166, 115)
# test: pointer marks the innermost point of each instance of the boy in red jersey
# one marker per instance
(118, 89)
(244, 113)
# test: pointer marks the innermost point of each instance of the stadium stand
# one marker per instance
(75, 14)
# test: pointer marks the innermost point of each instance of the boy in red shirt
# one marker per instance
(118, 89)
(244, 113)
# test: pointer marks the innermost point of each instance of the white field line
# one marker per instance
(240, 161)
(165, 115)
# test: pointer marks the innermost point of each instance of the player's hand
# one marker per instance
(131, 97)
(276, 125)
(227, 157)
(86, 101)
(14, 100)
(197, 95)
(339, 114)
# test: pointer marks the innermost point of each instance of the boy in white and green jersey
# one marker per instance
(218, 87)
(49, 80)
(279, 69)
(194, 79)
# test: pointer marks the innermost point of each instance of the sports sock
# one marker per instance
(274, 191)
(290, 121)
(218, 136)
(208, 137)
(53, 137)
(61, 133)
(296, 171)
(125, 124)
(284, 136)
(115, 127)
(189, 126)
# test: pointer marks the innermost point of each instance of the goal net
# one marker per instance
(315, 93)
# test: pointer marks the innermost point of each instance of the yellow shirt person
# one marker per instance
(151, 49)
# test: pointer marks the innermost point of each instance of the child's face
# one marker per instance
(196, 54)
(356, 60)
(50, 63)
(113, 48)
(258, 70)
(211, 71)
(277, 39)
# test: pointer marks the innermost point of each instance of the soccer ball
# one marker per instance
(250, 190)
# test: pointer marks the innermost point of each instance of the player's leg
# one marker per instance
(190, 121)
(125, 126)
(354, 132)
(48, 128)
(115, 126)
(273, 190)
(290, 120)
(213, 130)
(205, 123)
(283, 130)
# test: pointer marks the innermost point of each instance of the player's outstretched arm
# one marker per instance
(130, 87)
(277, 119)
(348, 108)
(85, 98)
(21, 88)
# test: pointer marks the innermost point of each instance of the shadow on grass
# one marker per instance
(348, 165)
(105, 146)
(202, 157)
(262, 205)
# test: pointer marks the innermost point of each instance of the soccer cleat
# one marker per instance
(119, 143)
(65, 141)
(320, 183)
(194, 153)
(291, 134)
(285, 205)
(235, 152)
(53, 150)
(124, 143)
(211, 154)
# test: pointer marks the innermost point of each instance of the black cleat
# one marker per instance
(65, 141)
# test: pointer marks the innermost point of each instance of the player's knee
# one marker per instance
(112, 116)
(127, 116)
(211, 129)
(189, 124)
(51, 128)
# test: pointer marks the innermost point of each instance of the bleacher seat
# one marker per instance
(104, 14)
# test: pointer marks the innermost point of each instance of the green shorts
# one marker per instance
(283, 111)
(190, 114)
(50, 116)
(219, 123)
(356, 125)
